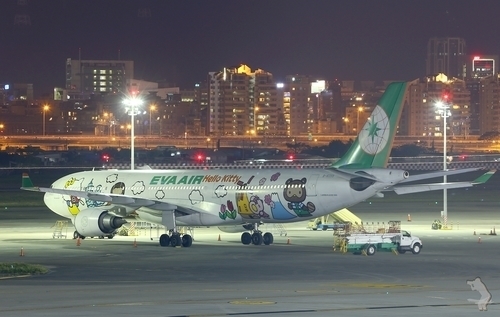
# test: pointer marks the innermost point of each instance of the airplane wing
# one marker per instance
(408, 189)
(119, 200)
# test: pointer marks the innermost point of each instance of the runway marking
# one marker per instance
(251, 302)
(378, 285)
(326, 310)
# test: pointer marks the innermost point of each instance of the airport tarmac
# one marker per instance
(300, 275)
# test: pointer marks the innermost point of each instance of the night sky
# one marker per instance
(183, 40)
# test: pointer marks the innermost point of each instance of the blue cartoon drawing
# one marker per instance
(93, 189)
(278, 211)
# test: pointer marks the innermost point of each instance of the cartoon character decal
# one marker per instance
(74, 203)
(118, 188)
(93, 189)
(295, 193)
(278, 211)
(257, 208)
(227, 212)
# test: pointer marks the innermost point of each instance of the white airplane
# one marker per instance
(99, 202)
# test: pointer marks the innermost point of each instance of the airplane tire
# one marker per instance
(246, 238)
(268, 238)
(257, 238)
(164, 240)
(175, 240)
(187, 241)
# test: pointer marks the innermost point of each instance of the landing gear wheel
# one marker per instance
(257, 238)
(246, 238)
(187, 241)
(416, 248)
(76, 235)
(268, 238)
(175, 240)
(164, 240)
(371, 250)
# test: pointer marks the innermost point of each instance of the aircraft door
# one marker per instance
(312, 181)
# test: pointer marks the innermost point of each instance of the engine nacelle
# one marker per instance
(237, 228)
(96, 222)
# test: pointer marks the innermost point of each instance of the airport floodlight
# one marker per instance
(132, 104)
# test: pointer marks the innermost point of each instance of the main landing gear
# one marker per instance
(257, 238)
(175, 239)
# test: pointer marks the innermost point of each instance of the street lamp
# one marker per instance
(443, 109)
(45, 109)
(151, 109)
(132, 102)
(208, 142)
(360, 109)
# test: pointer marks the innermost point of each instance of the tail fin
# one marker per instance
(373, 145)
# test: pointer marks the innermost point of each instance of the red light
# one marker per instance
(290, 157)
(446, 96)
(105, 158)
(199, 157)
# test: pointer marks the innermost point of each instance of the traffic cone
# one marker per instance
(474, 232)
(22, 252)
(479, 239)
(78, 242)
(135, 243)
(409, 217)
(218, 238)
(288, 241)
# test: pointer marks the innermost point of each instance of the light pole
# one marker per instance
(151, 109)
(45, 108)
(132, 102)
(443, 110)
(208, 142)
(360, 109)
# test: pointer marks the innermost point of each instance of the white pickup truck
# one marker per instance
(406, 242)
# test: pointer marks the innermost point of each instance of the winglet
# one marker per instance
(484, 178)
(27, 184)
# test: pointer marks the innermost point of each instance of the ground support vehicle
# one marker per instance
(370, 243)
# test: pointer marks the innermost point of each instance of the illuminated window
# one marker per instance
(102, 71)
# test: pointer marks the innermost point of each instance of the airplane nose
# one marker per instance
(54, 203)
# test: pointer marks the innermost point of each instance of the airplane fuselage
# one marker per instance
(214, 197)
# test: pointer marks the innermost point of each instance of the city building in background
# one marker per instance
(420, 116)
(244, 102)
(446, 55)
(489, 102)
(86, 77)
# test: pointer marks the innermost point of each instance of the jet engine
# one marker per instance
(237, 228)
(97, 222)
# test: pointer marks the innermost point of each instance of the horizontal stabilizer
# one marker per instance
(418, 177)
(410, 189)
